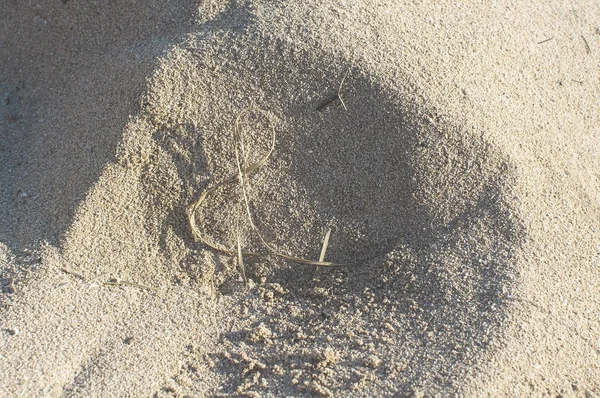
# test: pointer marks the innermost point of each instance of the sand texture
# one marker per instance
(453, 151)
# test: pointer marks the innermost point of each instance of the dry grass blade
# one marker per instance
(241, 176)
(325, 244)
(340, 89)
(241, 258)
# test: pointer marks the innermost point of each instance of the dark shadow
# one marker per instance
(72, 73)
(443, 277)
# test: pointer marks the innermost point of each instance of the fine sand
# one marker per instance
(453, 151)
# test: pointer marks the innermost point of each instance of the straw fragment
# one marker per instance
(241, 176)
(325, 243)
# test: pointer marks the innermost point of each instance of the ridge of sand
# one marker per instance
(463, 162)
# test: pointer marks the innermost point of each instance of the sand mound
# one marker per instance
(440, 194)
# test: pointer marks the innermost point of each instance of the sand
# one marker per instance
(452, 150)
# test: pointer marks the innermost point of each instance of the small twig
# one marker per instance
(587, 46)
(72, 273)
(108, 283)
(334, 97)
(132, 284)
(544, 41)
(326, 102)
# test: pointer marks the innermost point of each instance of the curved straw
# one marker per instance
(243, 171)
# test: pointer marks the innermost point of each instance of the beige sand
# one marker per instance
(453, 150)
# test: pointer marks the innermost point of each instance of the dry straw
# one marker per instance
(244, 170)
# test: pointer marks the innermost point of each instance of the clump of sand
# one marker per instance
(434, 148)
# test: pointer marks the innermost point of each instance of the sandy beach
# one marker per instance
(329, 198)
